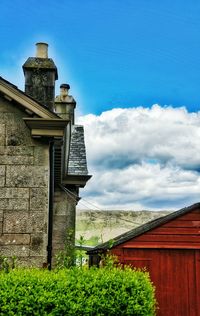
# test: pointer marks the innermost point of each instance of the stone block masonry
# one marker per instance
(63, 222)
(24, 182)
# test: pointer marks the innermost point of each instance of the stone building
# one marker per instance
(42, 164)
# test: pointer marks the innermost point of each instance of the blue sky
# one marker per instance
(120, 54)
(113, 53)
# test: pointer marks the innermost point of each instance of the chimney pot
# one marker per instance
(42, 50)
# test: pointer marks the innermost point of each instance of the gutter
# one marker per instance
(84, 247)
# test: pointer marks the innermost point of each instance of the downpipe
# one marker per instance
(51, 200)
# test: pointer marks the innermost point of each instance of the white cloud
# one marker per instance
(143, 158)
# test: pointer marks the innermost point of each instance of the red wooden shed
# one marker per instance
(169, 247)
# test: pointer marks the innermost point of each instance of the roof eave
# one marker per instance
(79, 180)
(46, 127)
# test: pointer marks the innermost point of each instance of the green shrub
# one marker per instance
(79, 292)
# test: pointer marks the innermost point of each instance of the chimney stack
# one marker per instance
(40, 74)
(65, 103)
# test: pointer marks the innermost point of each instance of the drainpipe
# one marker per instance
(51, 200)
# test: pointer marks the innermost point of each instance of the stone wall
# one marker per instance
(24, 177)
(63, 221)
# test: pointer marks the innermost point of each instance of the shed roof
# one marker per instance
(143, 229)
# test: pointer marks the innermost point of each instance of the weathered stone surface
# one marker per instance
(37, 248)
(24, 222)
(38, 199)
(41, 155)
(24, 184)
(2, 175)
(59, 240)
(63, 231)
(26, 176)
(63, 204)
(2, 134)
(40, 75)
(2, 170)
(63, 220)
(14, 204)
(59, 235)
(38, 222)
(16, 150)
(15, 160)
(58, 195)
(15, 239)
(59, 221)
(14, 193)
(57, 247)
(17, 133)
(32, 261)
(15, 250)
(6, 107)
(16, 222)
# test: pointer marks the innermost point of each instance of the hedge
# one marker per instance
(77, 292)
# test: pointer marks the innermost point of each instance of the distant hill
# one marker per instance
(100, 226)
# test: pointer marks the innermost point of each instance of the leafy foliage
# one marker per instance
(94, 292)
(66, 257)
(6, 264)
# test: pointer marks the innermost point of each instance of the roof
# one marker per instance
(48, 123)
(77, 164)
(143, 229)
(11, 91)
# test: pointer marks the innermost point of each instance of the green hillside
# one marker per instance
(100, 226)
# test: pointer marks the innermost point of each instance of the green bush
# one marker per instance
(77, 292)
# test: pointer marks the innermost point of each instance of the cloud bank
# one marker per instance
(143, 158)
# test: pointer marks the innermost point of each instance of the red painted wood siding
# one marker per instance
(173, 273)
(171, 254)
(182, 233)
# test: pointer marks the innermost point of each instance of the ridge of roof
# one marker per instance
(143, 229)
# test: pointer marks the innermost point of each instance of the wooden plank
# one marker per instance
(183, 223)
(136, 258)
(195, 215)
(197, 266)
(174, 238)
(175, 231)
(162, 245)
(140, 253)
(173, 284)
(197, 211)
(118, 247)
(173, 273)
(116, 251)
(191, 278)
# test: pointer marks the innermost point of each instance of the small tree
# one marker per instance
(66, 257)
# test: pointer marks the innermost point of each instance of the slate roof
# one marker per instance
(77, 164)
(143, 229)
